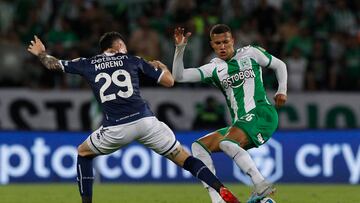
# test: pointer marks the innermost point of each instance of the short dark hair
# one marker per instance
(107, 39)
(219, 28)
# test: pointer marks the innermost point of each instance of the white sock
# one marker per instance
(242, 159)
(199, 152)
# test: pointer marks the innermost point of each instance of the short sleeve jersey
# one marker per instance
(114, 81)
(239, 79)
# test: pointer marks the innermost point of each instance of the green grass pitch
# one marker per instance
(172, 193)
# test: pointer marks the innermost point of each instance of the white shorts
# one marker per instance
(148, 131)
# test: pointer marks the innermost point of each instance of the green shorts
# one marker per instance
(259, 124)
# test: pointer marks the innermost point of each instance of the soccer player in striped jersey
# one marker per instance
(113, 77)
(237, 74)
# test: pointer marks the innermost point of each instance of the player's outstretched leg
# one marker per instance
(198, 169)
(85, 177)
(242, 159)
(201, 153)
(246, 164)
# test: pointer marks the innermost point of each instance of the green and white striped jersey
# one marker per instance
(239, 79)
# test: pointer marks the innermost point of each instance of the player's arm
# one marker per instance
(281, 74)
(267, 60)
(37, 48)
(178, 71)
(166, 79)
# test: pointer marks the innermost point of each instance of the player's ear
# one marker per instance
(123, 48)
(212, 44)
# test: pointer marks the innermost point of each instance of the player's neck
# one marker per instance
(231, 56)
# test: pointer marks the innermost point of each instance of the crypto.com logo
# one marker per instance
(268, 159)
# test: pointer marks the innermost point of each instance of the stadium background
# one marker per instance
(45, 115)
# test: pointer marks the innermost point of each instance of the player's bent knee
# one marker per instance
(81, 151)
(237, 135)
(225, 144)
(198, 148)
(222, 145)
(84, 150)
(211, 142)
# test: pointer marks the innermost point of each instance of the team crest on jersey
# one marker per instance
(245, 63)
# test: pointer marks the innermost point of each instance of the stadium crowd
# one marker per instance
(318, 39)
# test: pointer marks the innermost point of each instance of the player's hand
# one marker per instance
(158, 64)
(179, 36)
(36, 46)
(280, 100)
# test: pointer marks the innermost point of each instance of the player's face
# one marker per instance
(223, 45)
(119, 46)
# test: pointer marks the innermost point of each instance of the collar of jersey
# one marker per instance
(109, 54)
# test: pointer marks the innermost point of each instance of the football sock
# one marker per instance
(201, 153)
(242, 159)
(85, 178)
(198, 169)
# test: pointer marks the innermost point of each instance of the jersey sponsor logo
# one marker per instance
(108, 58)
(237, 79)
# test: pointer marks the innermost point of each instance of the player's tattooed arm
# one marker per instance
(37, 48)
(50, 62)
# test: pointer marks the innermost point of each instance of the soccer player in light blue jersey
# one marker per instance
(113, 77)
(238, 75)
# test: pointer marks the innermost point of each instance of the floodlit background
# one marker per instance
(45, 115)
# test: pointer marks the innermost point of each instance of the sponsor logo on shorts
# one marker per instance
(260, 138)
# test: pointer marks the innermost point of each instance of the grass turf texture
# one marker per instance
(172, 193)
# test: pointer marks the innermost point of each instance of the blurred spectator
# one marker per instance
(144, 41)
(319, 67)
(303, 42)
(289, 29)
(204, 18)
(352, 62)
(181, 10)
(7, 12)
(266, 16)
(239, 17)
(336, 46)
(335, 75)
(62, 33)
(345, 20)
(247, 34)
(296, 65)
(209, 115)
(321, 22)
(12, 58)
